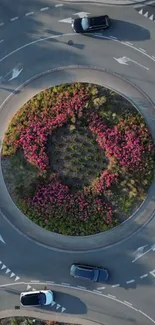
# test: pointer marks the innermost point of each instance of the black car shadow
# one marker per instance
(68, 302)
(122, 30)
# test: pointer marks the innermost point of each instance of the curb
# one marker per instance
(8, 313)
(112, 3)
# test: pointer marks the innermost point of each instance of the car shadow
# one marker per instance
(124, 31)
(66, 303)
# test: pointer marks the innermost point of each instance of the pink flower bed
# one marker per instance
(55, 204)
(127, 143)
(33, 136)
(55, 198)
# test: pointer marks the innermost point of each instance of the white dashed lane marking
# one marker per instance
(112, 296)
(130, 281)
(129, 43)
(59, 5)
(14, 18)
(142, 49)
(115, 285)
(143, 276)
(65, 284)
(128, 303)
(29, 13)
(44, 9)
(81, 287)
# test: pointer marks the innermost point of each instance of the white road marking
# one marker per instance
(50, 282)
(97, 291)
(146, 14)
(33, 289)
(143, 51)
(153, 321)
(14, 18)
(130, 281)
(1, 24)
(17, 278)
(63, 309)
(143, 276)
(140, 12)
(7, 271)
(58, 306)
(101, 288)
(1, 41)
(15, 73)
(128, 303)
(115, 285)
(45, 8)
(153, 246)
(12, 274)
(65, 284)
(28, 287)
(29, 13)
(82, 14)
(67, 20)
(113, 37)
(35, 281)
(2, 240)
(111, 296)
(59, 5)
(81, 287)
(124, 60)
(129, 43)
(153, 57)
(153, 273)
(68, 34)
(151, 17)
(53, 303)
(88, 291)
(139, 251)
(3, 267)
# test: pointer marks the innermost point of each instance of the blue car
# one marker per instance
(92, 273)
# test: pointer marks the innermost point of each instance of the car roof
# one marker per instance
(83, 272)
(30, 299)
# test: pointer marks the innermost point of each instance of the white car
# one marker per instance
(36, 298)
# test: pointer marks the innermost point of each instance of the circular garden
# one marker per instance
(78, 159)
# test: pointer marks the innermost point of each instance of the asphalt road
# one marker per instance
(34, 42)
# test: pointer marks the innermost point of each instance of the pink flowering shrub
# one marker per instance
(53, 200)
(128, 143)
(105, 181)
(32, 137)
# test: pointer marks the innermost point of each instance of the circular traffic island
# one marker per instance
(78, 159)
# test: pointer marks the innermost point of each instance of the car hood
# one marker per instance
(103, 276)
(49, 297)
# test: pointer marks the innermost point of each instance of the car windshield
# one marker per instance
(96, 275)
(42, 299)
(85, 23)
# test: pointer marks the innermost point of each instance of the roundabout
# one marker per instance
(80, 62)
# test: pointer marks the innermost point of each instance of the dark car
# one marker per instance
(92, 273)
(90, 24)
